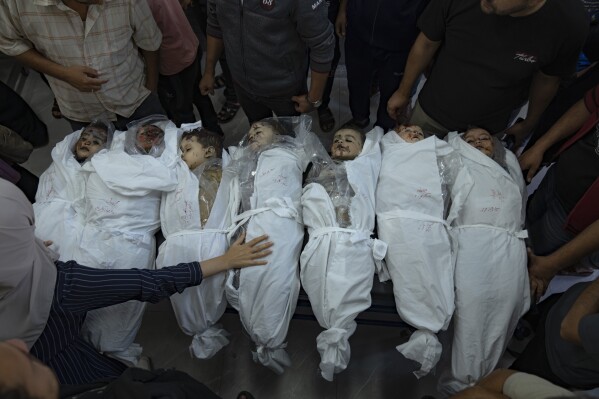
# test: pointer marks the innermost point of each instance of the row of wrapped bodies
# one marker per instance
(430, 197)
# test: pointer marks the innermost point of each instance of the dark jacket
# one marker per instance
(267, 41)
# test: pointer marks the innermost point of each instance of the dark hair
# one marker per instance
(355, 128)
(206, 138)
(18, 392)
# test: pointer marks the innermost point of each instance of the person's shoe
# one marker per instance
(227, 112)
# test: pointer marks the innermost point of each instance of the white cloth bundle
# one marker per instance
(266, 296)
(338, 264)
(197, 309)
(491, 279)
(122, 211)
(420, 260)
(58, 202)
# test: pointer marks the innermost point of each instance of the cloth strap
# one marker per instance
(402, 213)
(281, 206)
(378, 247)
(521, 234)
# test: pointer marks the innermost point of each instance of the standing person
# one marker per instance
(178, 61)
(266, 44)
(92, 52)
(378, 37)
(195, 12)
(489, 56)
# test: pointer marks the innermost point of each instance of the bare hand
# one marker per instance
(47, 243)
(520, 131)
(540, 274)
(207, 84)
(397, 104)
(84, 78)
(251, 253)
(302, 104)
(531, 160)
(341, 23)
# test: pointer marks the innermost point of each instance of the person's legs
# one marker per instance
(390, 66)
(325, 116)
(230, 89)
(176, 94)
(546, 217)
(283, 106)
(231, 105)
(253, 109)
(150, 106)
(533, 359)
(359, 63)
(167, 96)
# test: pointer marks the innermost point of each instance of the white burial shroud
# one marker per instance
(411, 196)
(197, 309)
(491, 279)
(122, 211)
(59, 202)
(266, 296)
(338, 264)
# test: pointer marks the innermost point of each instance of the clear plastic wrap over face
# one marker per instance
(449, 167)
(209, 175)
(332, 176)
(290, 133)
(146, 136)
(94, 137)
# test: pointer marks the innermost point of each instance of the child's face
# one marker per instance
(91, 140)
(481, 140)
(410, 134)
(347, 144)
(149, 136)
(193, 153)
(260, 135)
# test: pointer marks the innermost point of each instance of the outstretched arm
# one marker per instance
(84, 288)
